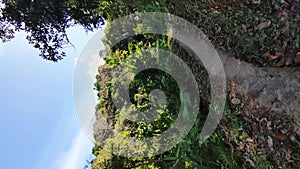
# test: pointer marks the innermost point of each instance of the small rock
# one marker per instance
(263, 25)
(270, 142)
(269, 123)
(297, 58)
(235, 101)
(293, 139)
(288, 61)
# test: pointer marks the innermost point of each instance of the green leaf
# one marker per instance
(170, 158)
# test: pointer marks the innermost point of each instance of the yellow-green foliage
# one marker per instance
(188, 153)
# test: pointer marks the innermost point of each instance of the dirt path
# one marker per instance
(277, 89)
(260, 92)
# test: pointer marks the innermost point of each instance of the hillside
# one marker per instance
(258, 42)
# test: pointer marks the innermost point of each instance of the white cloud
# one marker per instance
(76, 156)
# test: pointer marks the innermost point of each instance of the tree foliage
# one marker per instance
(188, 153)
(264, 33)
(45, 22)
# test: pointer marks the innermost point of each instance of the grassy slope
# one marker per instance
(263, 33)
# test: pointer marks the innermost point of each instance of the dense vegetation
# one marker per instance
(187, 154)
(261, 32)
(261, 38)
(265, 33)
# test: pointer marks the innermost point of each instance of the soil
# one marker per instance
(267, 99)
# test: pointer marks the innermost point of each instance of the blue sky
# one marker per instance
(38, 124)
